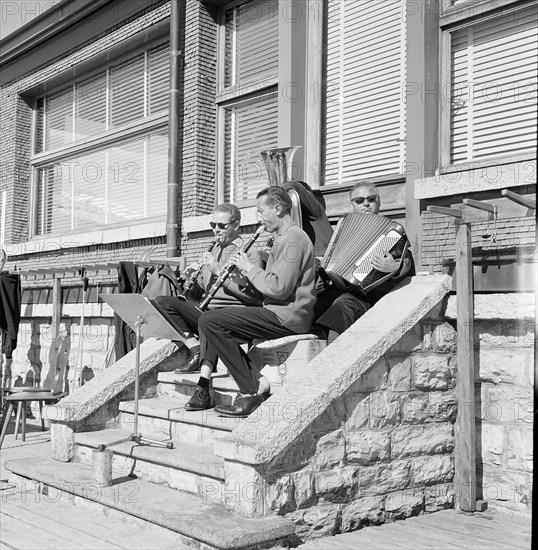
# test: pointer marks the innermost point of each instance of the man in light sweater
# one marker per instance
(288, 286)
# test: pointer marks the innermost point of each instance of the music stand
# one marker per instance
(147, 321)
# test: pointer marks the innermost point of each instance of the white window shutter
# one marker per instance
(158, 78)
(366, 72)
(494, 81)
(251, 50)
(251, 127)
(90, 102)
(59, 119)
(127, 92)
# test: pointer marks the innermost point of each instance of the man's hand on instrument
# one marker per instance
(209, 260)
(238, 278)
(385, 263)
(242, 262)
(189, 270)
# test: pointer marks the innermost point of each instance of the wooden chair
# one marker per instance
(21, 398)
(51, 391)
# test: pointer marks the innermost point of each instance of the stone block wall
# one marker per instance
(383, 451)
(505, 369)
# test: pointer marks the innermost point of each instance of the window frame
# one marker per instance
(453, 18)
(149, 124)
(235, 95)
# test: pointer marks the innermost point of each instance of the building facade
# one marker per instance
(433, 100)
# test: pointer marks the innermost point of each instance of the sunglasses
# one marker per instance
(359, 200)
(219, 225)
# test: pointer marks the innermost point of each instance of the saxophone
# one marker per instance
(227, 271)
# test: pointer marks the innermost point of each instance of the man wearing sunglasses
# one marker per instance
(225, 222)
(336, 309)
(288, 286)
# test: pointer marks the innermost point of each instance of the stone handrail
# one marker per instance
(279, 422)
(110, 382)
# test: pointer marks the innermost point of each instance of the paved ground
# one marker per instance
(34, 522)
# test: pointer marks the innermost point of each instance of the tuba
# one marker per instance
(279, 163)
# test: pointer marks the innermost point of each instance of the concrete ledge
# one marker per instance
(101, 389)
(204, 522)
(479, 178)
(283, 417)
(519, 305)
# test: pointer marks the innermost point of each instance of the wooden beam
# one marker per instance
(56, 307)
(528, 202)
(481, 205)
(455, 212)
(465, 459)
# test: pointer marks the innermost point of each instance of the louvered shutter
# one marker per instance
(88, 191)
(251, 42)
(126, 182)
(366, 72)
(252, 127)
(90, 101)
(127, 92)
(157, 175)
(59, 119)
(158, 78)
(494, 81)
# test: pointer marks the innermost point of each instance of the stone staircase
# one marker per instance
(187, 480)
(314, 458)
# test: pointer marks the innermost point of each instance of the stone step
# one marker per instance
(182, 386)
(166, 418)
(188, 467)
(187, 519)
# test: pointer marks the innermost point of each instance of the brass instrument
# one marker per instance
(194, 275)
(227, 271)
(279, 166)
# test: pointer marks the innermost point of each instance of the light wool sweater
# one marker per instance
(288, 281)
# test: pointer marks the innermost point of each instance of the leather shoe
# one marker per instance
(242, 406)
(193, 365)
(200, 401)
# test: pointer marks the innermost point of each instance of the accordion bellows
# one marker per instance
(356, 240)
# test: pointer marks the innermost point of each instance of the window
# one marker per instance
(247, 99)
(365, 73)
(101, 147)
(493, 87)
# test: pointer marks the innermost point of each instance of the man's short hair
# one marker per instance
(276, 195)
(364, 184)
(235, 213)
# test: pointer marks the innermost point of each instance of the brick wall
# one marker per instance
(505, 368)
(438, 238)
(199, 115)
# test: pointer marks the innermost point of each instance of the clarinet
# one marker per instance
(227, 271)
(195, 274)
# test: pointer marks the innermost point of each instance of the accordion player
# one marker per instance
(359, 238)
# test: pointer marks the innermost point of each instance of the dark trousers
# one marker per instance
(338, 310)
(182, 313)
(10, 312)
(223, 330)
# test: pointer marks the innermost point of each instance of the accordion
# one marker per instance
(356, 240)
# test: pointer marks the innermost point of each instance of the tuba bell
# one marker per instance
(279, 163)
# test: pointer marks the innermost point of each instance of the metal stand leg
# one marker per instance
(135, 436)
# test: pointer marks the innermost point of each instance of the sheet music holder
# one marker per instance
(147, 320)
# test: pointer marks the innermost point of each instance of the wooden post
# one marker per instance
(56, 307)
(465, 465)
